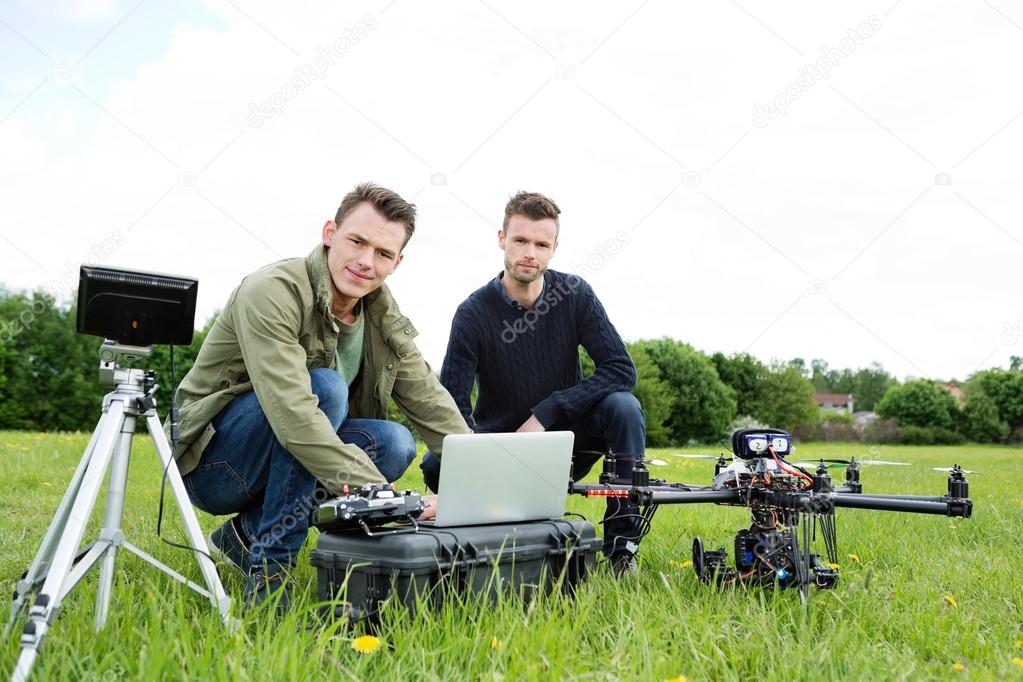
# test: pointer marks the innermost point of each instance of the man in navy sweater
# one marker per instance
(517, 338)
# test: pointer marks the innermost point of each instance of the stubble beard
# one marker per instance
(510, 268)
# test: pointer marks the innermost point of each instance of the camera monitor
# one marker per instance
(136, 308)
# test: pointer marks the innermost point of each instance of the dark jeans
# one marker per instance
(246, 470)
(616, 422)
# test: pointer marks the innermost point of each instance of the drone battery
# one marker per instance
(745, 544)
(357, 573)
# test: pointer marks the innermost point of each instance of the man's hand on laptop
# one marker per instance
(531, 425)
(429, 507)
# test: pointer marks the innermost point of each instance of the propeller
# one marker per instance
(840, 463)
(950, 469)
(714, 457)
(656, 462)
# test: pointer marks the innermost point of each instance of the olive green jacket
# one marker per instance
(276, 326)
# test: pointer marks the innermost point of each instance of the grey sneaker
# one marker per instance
(623, 564)
(227, 544)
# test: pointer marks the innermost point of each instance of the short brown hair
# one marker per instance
(534, 206)
(387, 203)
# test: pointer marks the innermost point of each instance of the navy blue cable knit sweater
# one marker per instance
(527, 360)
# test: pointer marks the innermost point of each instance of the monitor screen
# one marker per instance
(136, 308)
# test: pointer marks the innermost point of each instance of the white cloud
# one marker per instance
(724, 263)
(76, 10)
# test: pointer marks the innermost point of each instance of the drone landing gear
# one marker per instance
(766, 559)
(712, 565)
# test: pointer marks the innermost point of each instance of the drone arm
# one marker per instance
(919, 498)
(661, 496)
(943, 506)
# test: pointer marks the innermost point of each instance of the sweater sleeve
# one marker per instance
(461, 362)
(614, 371)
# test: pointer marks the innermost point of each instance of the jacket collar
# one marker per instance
(319, 278)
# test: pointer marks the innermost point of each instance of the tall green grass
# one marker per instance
(927, 594)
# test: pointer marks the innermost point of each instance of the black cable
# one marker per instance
(173, 419)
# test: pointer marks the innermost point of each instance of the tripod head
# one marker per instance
(120, 364)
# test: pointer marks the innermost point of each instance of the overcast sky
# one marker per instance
(837, 181)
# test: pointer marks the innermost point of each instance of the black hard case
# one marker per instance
(521, 558)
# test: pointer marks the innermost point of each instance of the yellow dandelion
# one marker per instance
(853, 558)
(495, 643)
(680, 678)
(688, 563)
(833, 566)
(1019, 643)
(1018, 661)
(366, 644)
(958, 667)
(671, 562)
(950, 600)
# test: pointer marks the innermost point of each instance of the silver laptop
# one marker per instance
(503, 477)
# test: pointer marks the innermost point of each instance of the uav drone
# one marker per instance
(783, 499)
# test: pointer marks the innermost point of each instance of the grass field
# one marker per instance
(921, 597)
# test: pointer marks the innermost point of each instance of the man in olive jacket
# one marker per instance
(288, 396)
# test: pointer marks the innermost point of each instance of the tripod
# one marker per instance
(60, 565)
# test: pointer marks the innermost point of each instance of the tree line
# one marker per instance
(50, 382)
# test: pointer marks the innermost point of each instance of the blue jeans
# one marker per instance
(245, 469)
(616, 422)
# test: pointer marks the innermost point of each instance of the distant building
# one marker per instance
(954, 390)
(841, 403)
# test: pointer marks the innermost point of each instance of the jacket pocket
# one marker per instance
(318, 360)
(401, 337)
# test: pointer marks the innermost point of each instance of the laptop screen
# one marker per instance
(504, 477)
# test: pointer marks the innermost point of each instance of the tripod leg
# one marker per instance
(218, 597)
(41, 562)
(111, 535)
(48, 600)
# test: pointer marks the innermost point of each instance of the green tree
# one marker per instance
(920, 403)
(821, 378)
(703, 404)
(1005, 389)
(982, 422)
(46, 386)
(654, 395)
(51, 372)
(787, 398)
(745, 375)
(869, 385)
(800, 365)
